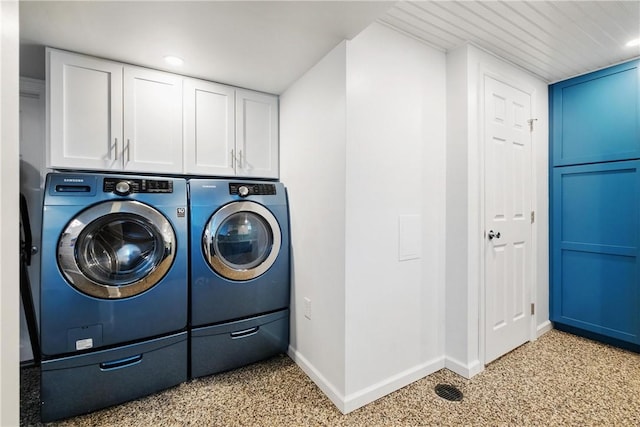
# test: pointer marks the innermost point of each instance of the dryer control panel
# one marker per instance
(251, 189)
(127, 186)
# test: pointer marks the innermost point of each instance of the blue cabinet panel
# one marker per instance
(598, 204)
(598, 293)
(596, 117)
(596, 248)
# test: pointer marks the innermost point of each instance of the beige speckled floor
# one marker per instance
(559, 379)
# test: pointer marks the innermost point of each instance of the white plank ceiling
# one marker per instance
(554, 40)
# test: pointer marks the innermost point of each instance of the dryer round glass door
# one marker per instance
(241, 240)
(116, 249)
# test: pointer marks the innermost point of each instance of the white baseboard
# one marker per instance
(327, 387)
(464, 370)
(367, 395)
(374, 392)
(544, 327)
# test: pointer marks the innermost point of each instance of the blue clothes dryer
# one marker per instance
(240, 278)
(114, 289)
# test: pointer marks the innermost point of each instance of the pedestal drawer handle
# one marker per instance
(245, 333)
(120, 363)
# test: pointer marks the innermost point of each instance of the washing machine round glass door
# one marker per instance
(241, 241)
(116, 249)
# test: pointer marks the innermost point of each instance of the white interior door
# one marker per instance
(507, 218)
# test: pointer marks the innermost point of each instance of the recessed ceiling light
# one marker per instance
(173, 60)
(634, 42)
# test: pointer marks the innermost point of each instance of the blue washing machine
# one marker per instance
(114, 289)
(240, 274)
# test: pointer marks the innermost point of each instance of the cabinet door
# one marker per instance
(256, 134)
(596, 117)
(85, 112)
(152, 121)
(209, 132)
(596, 248)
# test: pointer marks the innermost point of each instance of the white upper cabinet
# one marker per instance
(84, 110)
(103, 115)
(109, 116)
(230, 132)
(153, 121)
(209, 132)
(256, 134)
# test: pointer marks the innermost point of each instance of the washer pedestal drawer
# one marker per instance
(232, 345)
(86, 382)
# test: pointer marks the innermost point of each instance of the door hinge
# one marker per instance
(533, 308)
(533, 217)
(530, 121)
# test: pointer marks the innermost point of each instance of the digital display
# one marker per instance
(139, 185)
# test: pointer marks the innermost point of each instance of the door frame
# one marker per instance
(34, 89)
(477, 232)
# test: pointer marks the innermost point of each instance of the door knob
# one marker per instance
(491, 235)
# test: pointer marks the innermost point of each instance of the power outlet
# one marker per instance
(307, 308)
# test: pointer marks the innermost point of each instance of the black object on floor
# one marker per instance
(448, 392)
(26, 249)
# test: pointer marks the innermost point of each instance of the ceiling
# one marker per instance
(267, 45)
(260, 45)
(552, 39)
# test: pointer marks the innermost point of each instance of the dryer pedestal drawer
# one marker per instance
(231, 345)
(86, 382)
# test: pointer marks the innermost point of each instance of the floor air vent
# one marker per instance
(448, 392)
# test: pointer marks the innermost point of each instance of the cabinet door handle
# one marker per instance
(240, 160)
(128, 151)
(112, 148)
(233, 159)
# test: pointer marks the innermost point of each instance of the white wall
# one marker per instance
(457, 296)
(313, 164)
(466, 68)
(395, 172)
(9, 239)
(362, 145)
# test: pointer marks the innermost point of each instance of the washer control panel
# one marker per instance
(124, 186)
(246, 189)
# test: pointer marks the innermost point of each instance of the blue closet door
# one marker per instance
(596, 117)
(595, 244)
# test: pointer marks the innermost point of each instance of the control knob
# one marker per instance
(123, 188)
(243, 191)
